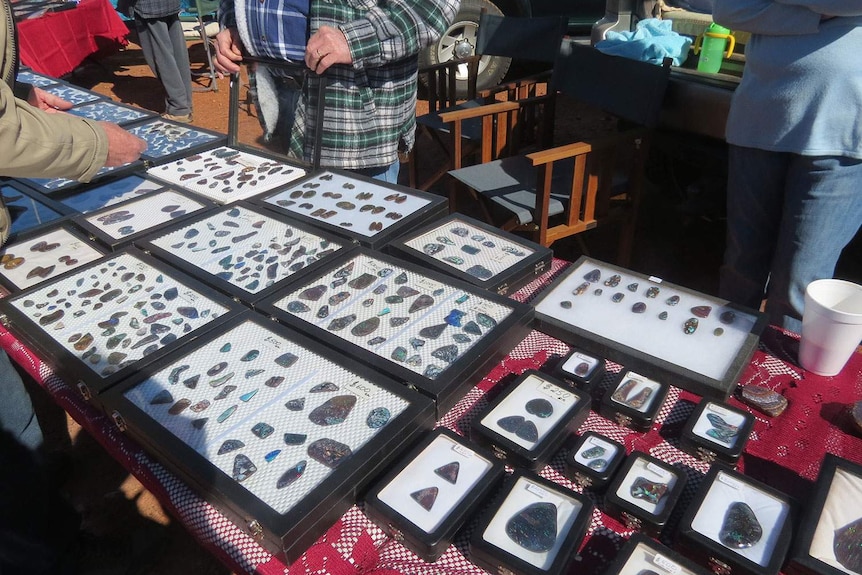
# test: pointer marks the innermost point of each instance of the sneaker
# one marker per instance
(182, 119)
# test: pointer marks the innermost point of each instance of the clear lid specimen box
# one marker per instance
(633, 400)
(275, 430)
(716, 432)
(530, 420)
(660, 330)
(582, 370)
(593, 460)
(642, 555)
(432, 491)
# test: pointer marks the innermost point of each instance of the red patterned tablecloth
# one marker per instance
(784, 452)
(56, 43)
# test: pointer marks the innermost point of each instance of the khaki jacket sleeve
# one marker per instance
(41, 145)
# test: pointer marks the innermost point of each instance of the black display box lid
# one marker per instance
(593, 460)
(431, 331)
(99, 323)
(829, 537)
(644, 492)
(642, 555)
(29, 210)
(168, 140)
(582, 370)
(243, 250)
(368, 211)
(513, 535)
(111, 111)
(737, 524)
(661, 330)
(44, 254)
(716, 432)
(284, 446)
(475, 252)
(432, 491)
(56, 187)
(530, 420)
(120, 224)
(634, 400)
(109, 192)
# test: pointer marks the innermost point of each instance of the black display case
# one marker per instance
(634, 400)
(716, 432)
(829, 537)
(368, 211)
(582, 370)
(168, 140)
(644, 492)
(530, 420)
(111, 111)
(593, 460)
(71, 93)
(278, 432)
(56, 187)
(475, 252)
(644, 556)
(533, 527)
(431, 331)
(737, 524)
(663, 331)
(109, 192)
(29, 210)
(432, 491)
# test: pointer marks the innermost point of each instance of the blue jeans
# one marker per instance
(788, 218)
(16, 410)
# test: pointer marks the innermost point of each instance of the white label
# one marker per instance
(666, 564)
(730, 481)
(718, 409)
(360, 388)
(462, 450)
(537, 491)
(655, 279)
(653, 468)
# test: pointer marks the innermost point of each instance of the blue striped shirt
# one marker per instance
(278, 28)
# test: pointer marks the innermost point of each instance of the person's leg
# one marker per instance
(181, 75)
(822, 213)
(16, 410)
(288, 92)
(158, 45)
(383, 173)
(755, 195)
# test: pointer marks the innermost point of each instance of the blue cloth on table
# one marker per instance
(653, 40)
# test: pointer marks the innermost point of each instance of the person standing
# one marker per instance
(367, 50)
(163, 43)
(795, 150)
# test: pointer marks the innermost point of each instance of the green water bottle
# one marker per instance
(715, 44)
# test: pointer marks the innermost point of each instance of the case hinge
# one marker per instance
(4, 320)
(255, 529)
(583, 480)
(539, 267)
(504, 571)
(624, 420)
(719, 567)
(503, 289)
(706, 454)
(498, 452)
(632, 522)
(395, 533)
(84, 390)
(118, 420)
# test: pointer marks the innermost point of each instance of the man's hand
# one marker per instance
(123, 147)
(326, 47)
(228, 52)
(47, 101)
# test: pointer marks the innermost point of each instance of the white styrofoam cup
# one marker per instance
(831, 325)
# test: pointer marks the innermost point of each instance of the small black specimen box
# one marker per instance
(529, 421)
(593, 460)
(642, 556)
(736, 524)
(634, 400)
(581, 369)
(533, 527)
(427, 496)
(829, 538)
(716, 432)
(644, 492)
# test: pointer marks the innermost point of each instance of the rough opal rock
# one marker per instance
(764, 399)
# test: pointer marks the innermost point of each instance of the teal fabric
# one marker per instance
(653, 40)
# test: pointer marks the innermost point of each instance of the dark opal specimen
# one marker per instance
(721, 430)
(362, 281)
(643, 488)
(639, 307)
(164, 396)
(454, 318)
(226, 413)
(856, 415)
(690, 326)
(652, 292)
(366, 327)
(486, 320)
(672, 300)
(461, 338)
(341, 322)
(632, 287)
(274, 381)
(398, 321)
(593, 276)
(638, 400)
(449, 472)
(618, 297)
(740, 529)
(179, 406)
(581, 289)
(582, 369)
(847, 545)
(473, 328)
(425, 497)
(701, 311)
(294, 438)
(593, 452)
(613, 281)
(313, 293)
(262, 430)
(447, 353)
(727, 317)
(433, 331)
(539, 407)
(329, 452)
(566, 304)
(174, 377)
(622, 392)
(769, 402)
(325, 387)
(297, 307)
(296, 404)
(378, 417)
(535, 527)
(523, 428)
(399, 353)
(420, 303)
(662, 316)
(230, 445)
(291, 475)
(333, 411)
(406, 291)
(217, 369)
(286, 360)
(480, 272)
(243, 467)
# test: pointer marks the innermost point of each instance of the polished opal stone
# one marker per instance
(486, 320)
(672, 300)
(582, 369)
(333, 411)
(225, 391)
(399, 353)
(420, 303)
(650, 491)
(296, 404)
(690, 326)
(447, 353)
(433, 331)
(329, 452)
(291, 475)
(652, 292)
(454, 317)
(618, 297)
(164, 396)
(274, 381)
(593, 452)
(535, 527)
(325, 387)
(662, 316)
(286, 359)
(398, 321)
(847, 545)
(740, 529)
(472, 327)
(721, 430)
(378, 417)
(638, 400)
(581, 288)
(539, 407)
(593, 276)
(727, 317)
(294, 438)
(341, 322)
(598, 464)
(632, 287)
(598, 292)
(622, 392)
(366, 327)
(262, 430)
(243, 467)
(521, 427)
(362, 281)
(425, 497)
(230, 445)
(639, 307)
(764, 399)
(701, 311)
(566, 304)
(313, 293)
(449, 472)
(179, 406)
(613, 281)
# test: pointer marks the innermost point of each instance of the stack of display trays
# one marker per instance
(655, 328)
(167, 141)
(365, 210)
(428, 330)
(111, 192)
(278, 432)
(243, 250)
(103, 321)
(30, 210)
(475, 252)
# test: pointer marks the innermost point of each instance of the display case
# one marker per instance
(633, 400)
(276, 431)
(110, 111)
(475, 252)
(167, 140)
(108, 319)
(582, 370)
(28, 76)
(829, 537)
(644, 492)
(533, 527)
(72, 94)
(716, 432)
(110, 192)
(644, 556)
(432, 491)
(32, 258)
(120, 224)
(244, 251)
(736, 524)
(530, 420)
(29, 210)
(663, 331)
(430, 331)
(365, 210)
(593, 460)
(226, 174)
(62, 186)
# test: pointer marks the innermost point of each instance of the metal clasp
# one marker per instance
(719, 567)
(119, 421)
(255, 529)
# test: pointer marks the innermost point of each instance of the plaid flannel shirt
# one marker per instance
(370, 107)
